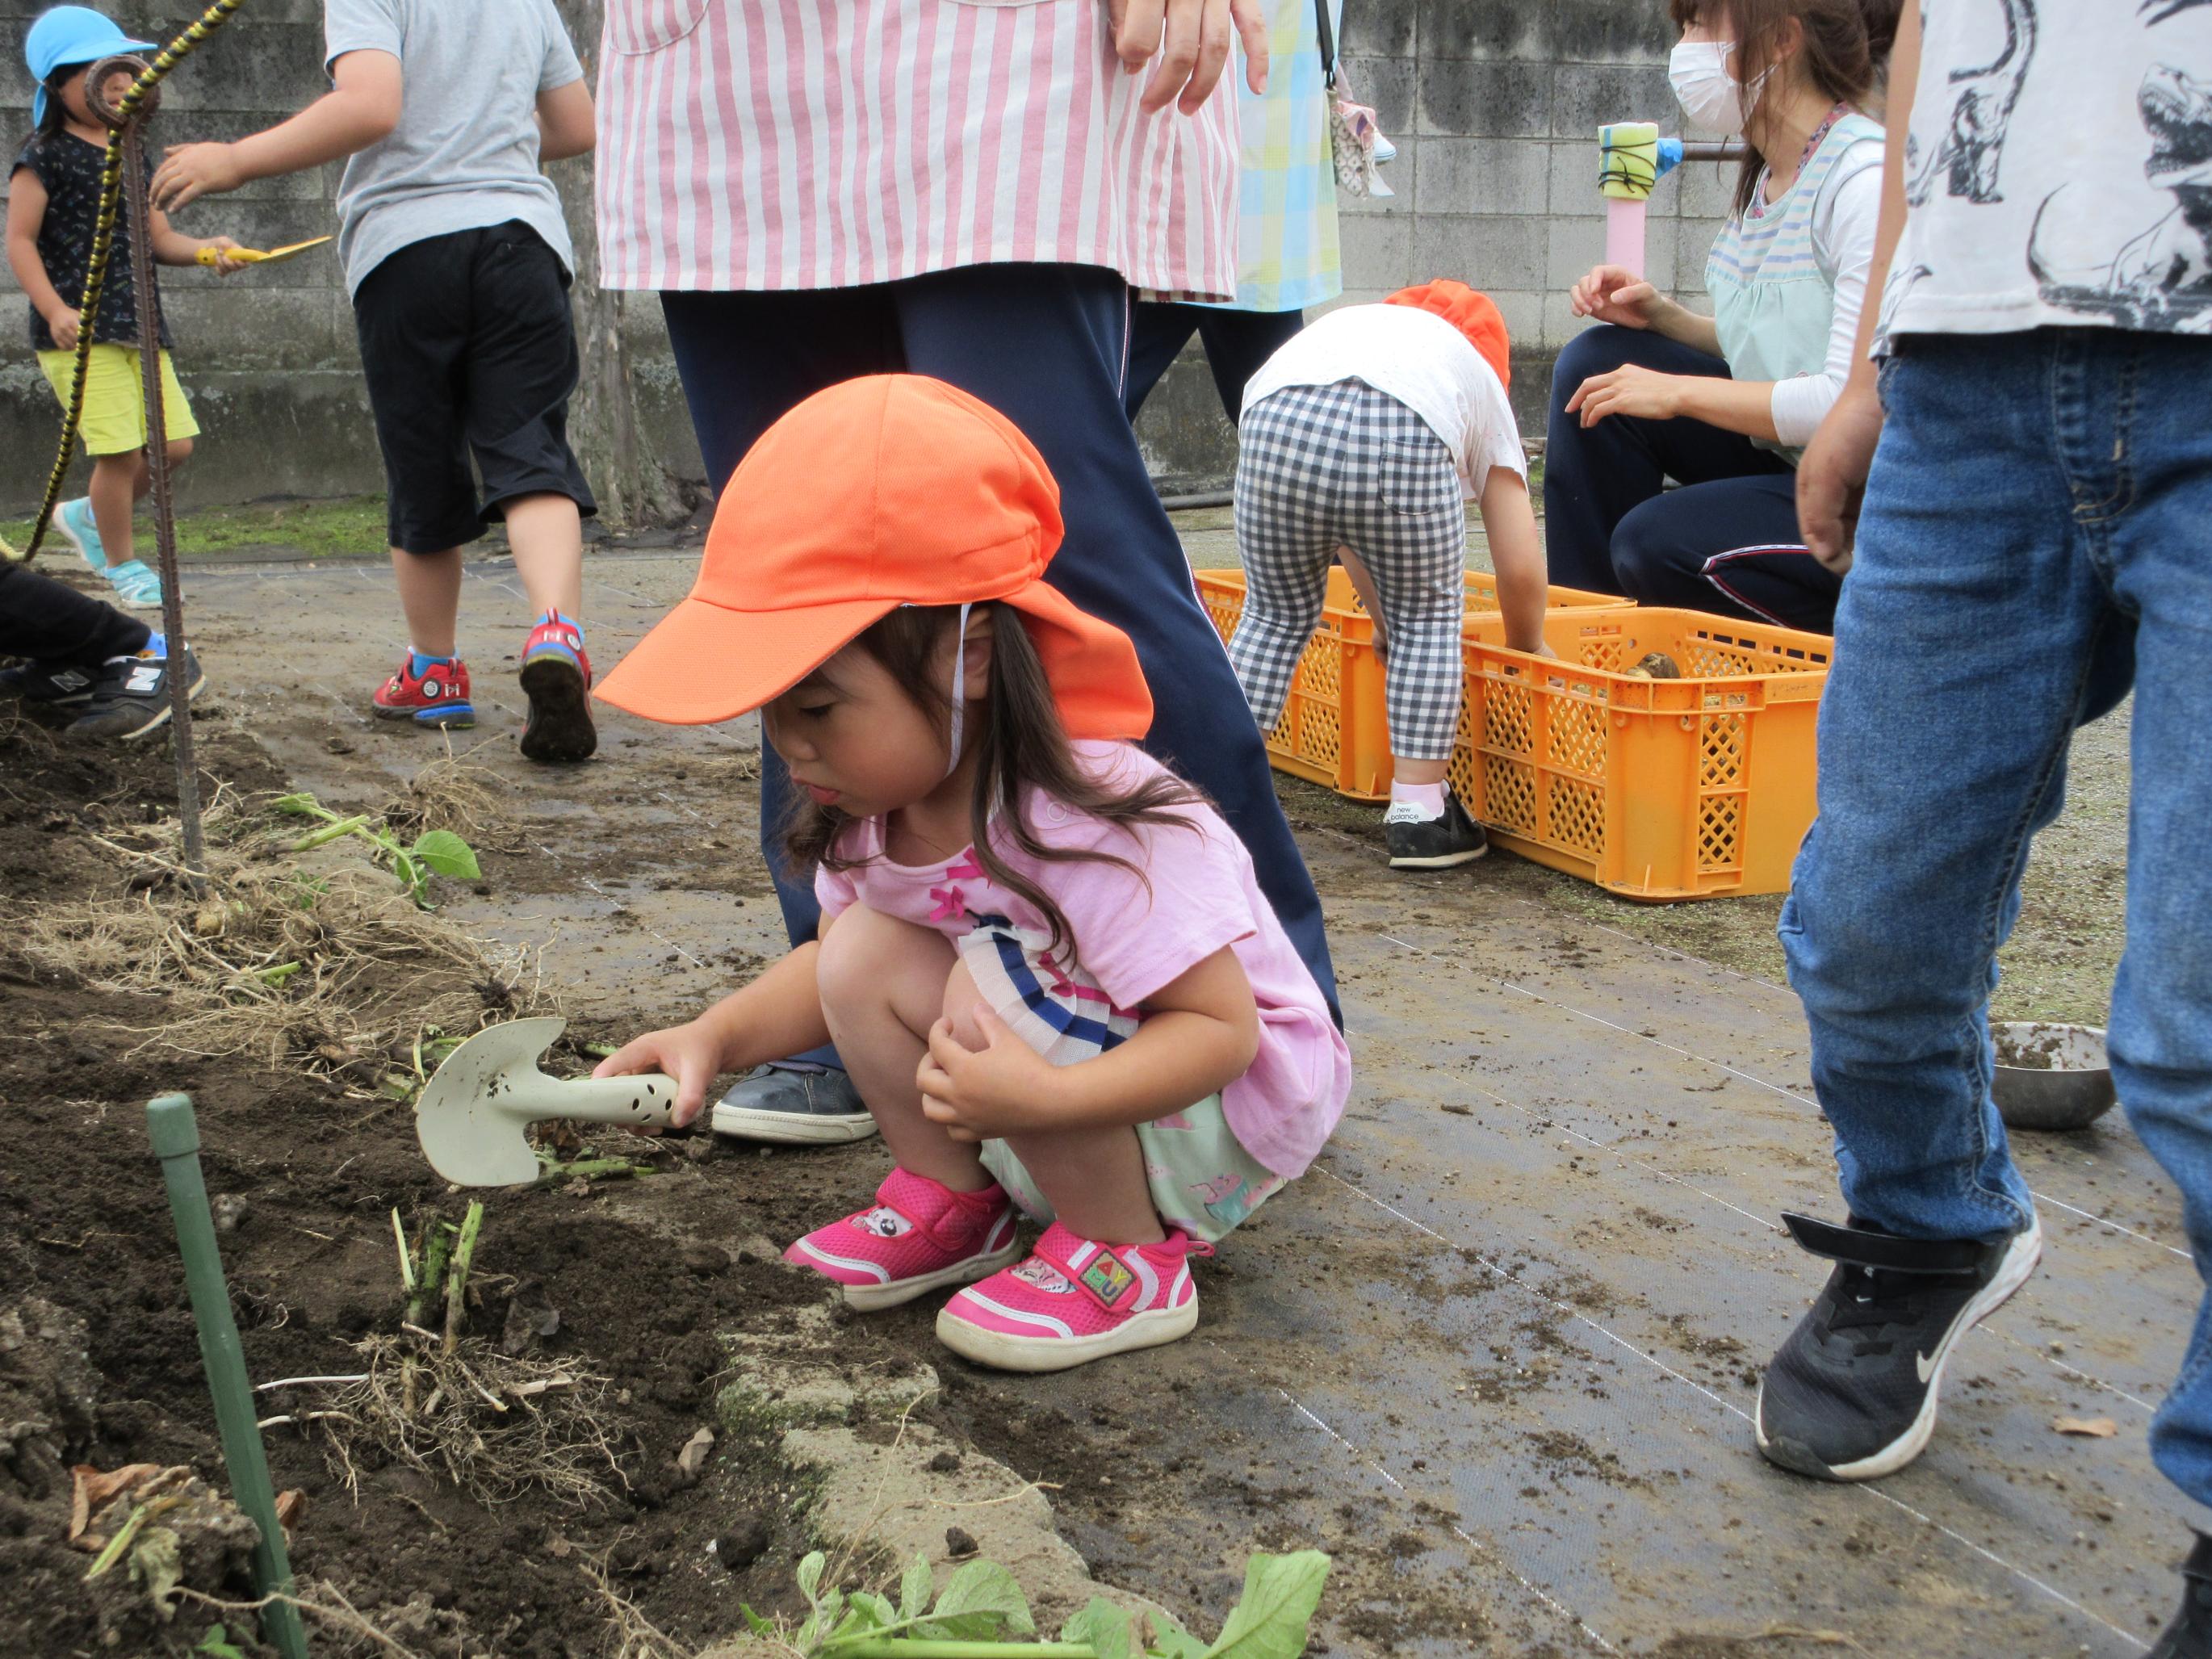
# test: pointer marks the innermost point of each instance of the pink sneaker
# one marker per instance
(1073, 1301)
(919, 1235)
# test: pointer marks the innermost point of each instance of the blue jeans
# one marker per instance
(2037, 529)
(1044, 345)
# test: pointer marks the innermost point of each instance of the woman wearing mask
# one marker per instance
(1724, 404)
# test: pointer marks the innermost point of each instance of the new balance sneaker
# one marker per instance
(1851, 1394)
(919, 1235)
(557, 679)
(1074, 1301)
(2190, 1635)
(132, 697)
(51, 683)
(1439, 844)
(793, 1104)
(436, 696)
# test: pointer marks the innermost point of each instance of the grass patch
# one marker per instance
(349, 527)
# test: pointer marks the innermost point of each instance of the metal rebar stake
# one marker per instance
(157, 442)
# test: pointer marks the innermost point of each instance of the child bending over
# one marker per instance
(1044, 957)
(1369, 431)
(53, 203)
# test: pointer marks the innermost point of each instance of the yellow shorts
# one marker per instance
(114, 421)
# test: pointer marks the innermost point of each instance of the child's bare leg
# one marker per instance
(118, 481)
(1093, 1178)
(883, 987)
(546, 534)
(430, 594)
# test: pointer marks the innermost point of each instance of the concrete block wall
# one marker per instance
(1494, 106)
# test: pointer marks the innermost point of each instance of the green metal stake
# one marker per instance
(176, 1141)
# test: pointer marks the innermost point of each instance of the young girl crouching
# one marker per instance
(1044, 959)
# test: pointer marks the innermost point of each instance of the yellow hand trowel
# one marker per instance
(250, 256)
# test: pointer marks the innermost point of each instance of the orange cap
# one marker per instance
(1473, 314)
(888, 490)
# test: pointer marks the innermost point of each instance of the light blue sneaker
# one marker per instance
(75, 520)
(136, 585)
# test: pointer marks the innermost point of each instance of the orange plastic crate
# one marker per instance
(1335, 729)
(1653, 789)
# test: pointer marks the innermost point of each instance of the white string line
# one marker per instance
(1546, 1121)
(1751, 1078)
(1661, 1365)
(624, 909)
(1486, 1551)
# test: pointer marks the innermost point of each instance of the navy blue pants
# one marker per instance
(55, 626)
(1042, 345)
(1726, 542)
(1237, 343)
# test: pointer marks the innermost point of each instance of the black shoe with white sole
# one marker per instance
(1419, 843)
(132, 697)
(1851, 1394)
(794, 1104)
(2190, 1635)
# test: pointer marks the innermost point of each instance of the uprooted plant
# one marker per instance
(982, 1613)
(456, 1406)
(434, 852)
(328, 967)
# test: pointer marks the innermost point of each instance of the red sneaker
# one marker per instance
(1074, 1301)
(439, 695)
(556, 678)
(919, 1235)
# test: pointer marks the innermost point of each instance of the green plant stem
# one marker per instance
(457, 1280)
(435, 1249)
(331, 831)
(278, 974)
(591, 1169)
(913, 1647)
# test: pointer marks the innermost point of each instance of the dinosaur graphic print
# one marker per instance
(1966, 157)
(2163, 279)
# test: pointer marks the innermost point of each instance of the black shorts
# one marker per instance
(469, 349)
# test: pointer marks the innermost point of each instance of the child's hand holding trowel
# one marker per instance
(691, 1053)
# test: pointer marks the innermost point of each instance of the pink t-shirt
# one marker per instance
(1135, 940)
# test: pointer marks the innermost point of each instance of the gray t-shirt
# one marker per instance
(464, 153)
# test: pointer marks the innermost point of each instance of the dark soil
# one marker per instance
(104, 1365)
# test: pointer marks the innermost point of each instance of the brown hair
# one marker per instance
(1844, 53)
(1019, 743)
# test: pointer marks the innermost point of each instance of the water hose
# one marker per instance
(176, 1141)
(139, 101)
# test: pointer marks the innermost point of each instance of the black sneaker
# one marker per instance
(50, 684)
(794, 1104)
(2190, 1635)
(1419, 843)
(132, 697)
(1851, 1395)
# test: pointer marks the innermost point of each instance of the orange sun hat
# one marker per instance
(888, 490)
(1474, 314)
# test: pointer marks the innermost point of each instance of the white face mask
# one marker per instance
(1711, 96)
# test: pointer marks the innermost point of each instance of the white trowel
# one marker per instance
(473, 1117)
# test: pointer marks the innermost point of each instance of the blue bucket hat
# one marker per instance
(66, 36)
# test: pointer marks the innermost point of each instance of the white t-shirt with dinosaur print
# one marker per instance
(2060, 169)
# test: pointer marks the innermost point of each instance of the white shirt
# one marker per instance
(1844, 218)
(1423, 361)
(2059, 158)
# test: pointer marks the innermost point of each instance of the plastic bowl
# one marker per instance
(2050, 1076)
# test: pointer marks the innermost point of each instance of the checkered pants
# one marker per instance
(1323, 466)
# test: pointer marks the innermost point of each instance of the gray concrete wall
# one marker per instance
(1494, 106)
